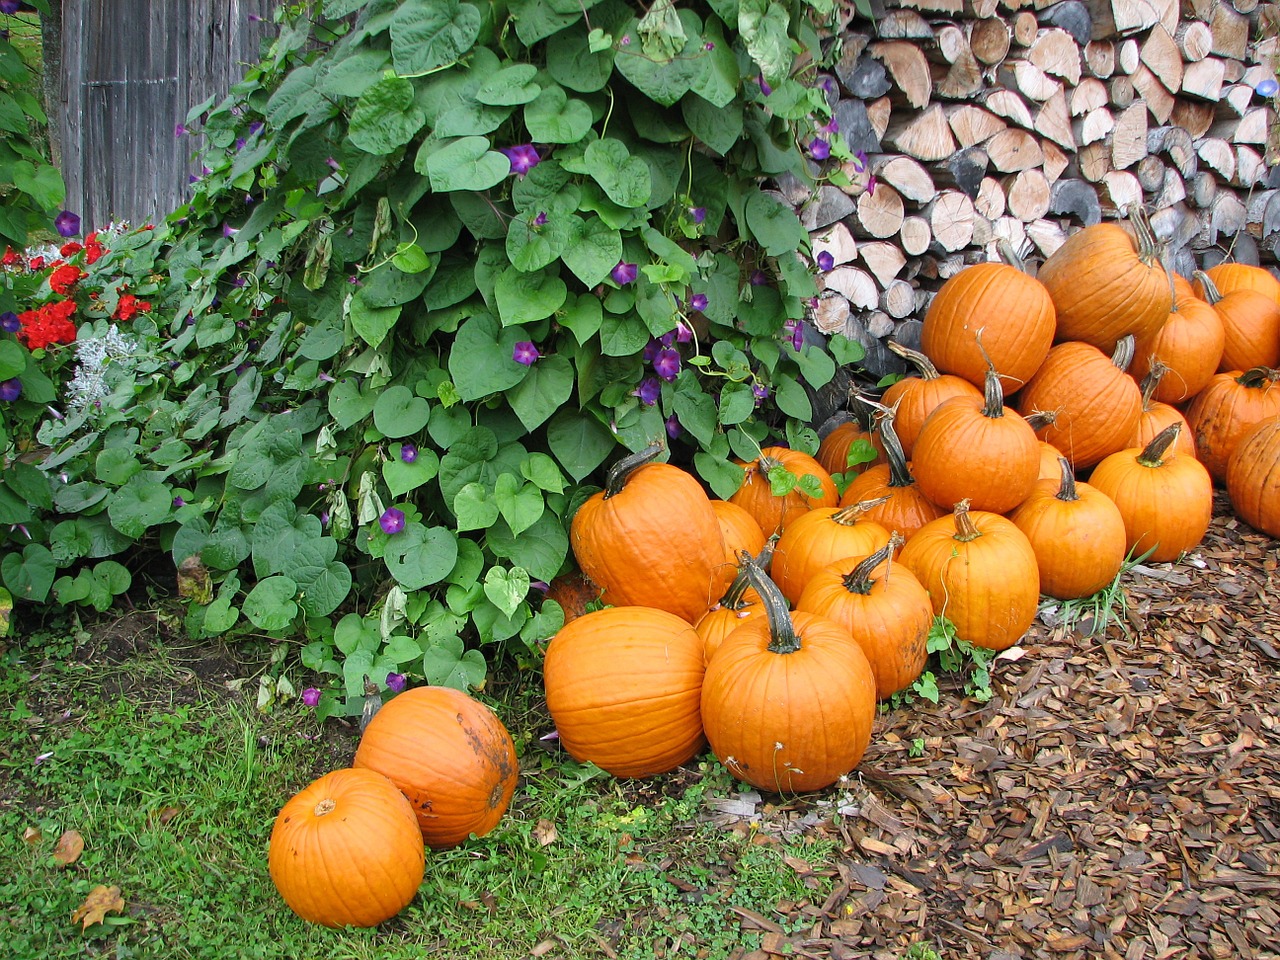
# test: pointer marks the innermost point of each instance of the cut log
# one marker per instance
(1194, 40)
(950, 219)
(879, 213)
(1232, 70)
(903, 24)
(1089, 94)
(1194, 117)
(981, 9)
(1177, 145)
(1230, 32)
(1237, 98)
(865, 78)
(1160, 102)
(1047, 236)
(1057, 54)
(990, 202)
(1071, 16)
(949, 44)
(908, 67)
(1129, 138)
(989, 40)
(1024, 26)
(1204, 189)
(1264, 210)
(1227, 217)
(884, 260)
(1093, 161)
(837, 241)
(1054, 121)
(1077, 199)
(1027, 195)
(1204, 79)
(1122, 190)
(1006, 230)
(965, 170)
(898, 299)
(949, 7)
(1055, 160)
(1150, 173)
(907, 176)
(878, 112)
(1251, 128)
(926, 136)
(1100, 58)
(831, 314)
(1163, 58)
(1219, 156)
(1172, 190)
(1129, 56)
(1095, 126)
(1251, 169)
(856, 127)
(1120, 90)
(915, 236)
(1030, 81)
(972, 125)
(1013, 150)
(855, 285)
(1134, 16)
(1007, 104)
(963, 79)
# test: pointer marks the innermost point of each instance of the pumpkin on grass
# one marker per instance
(651, 538)
(789, 699)
(981, 574)
(1166, 500)
(623, 686)
(450, 755)
(804, 485)
(907, 509)
(885, 610)
(1077, 534)
(346, 850)
(1250, 326)
(1226, 409)
(820, 537)
(914, 398)
(1253, 477)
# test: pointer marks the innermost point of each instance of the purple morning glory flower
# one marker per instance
(391, 521)
(871, 186)
(9, 322)
(860, 161)
(324, 519)
(9, 6)
(764, 87)
(673, 427)
(624, 273)
(827, 84)
(793, 328)
(311, 696)
(826, 261)
(395, 681)
(684, 332)
(229, 231)
(408, 452)
(667, 364)
(179, 129)
(831, 126)
(649, 391)
(541, 219)
(255, 127)
(11, 389)
(524, 157)
(697, 303)
(698, 214)
(819, 149)
(759, 278)
(525, 352)
(650, 350)
(67, 224)
(760, 391)
(708, 46)
(1267, 88)
(332, 163)
(240, 142)
(178, 502)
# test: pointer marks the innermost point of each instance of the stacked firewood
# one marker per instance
(1024, 120)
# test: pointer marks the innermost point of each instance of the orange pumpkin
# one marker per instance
(1253, 477)
(907, 509)
(823, 536)
(773, 512)
(1227, 409)
(1250, 325)
(739, 604)
(1189, 344)
(842, 445)
(450, 755)
(1228, 277)
(914, 398)
(1156, 416)
(740, 532)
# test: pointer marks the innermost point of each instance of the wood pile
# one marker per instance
(1024, 120)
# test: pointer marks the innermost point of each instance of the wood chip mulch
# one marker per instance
(1119, 797)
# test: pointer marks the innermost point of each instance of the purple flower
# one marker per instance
(240, 142)
(67, 224)
(860, 161)
(871, 185)
(708, 46)
(178, 502)
(827, 84)
(179, 130)
(761, 392)
(255, 127)
(1267, 88)
(395, 681)
(667, 364)
(525, 352)
(311, 696)
(673, 427)
(192, 178)
(9, 6)
(825, 260)
(819, 149)
(524, 157)
(697, 303)
(229, 231)
(759, 278)
(332, 163)
(831, 126)
(324, 519)
(626, 40)
(9, 322)
(391, 521)
(624, 273)
(254, 18)
(698, 214)
(796, 332)
(649, 391)
(11, 389)
(684, 332)
(764, 87)
(541, 219)
(650, 350)
(408, 452)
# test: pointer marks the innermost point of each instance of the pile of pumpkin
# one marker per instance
(769, 624)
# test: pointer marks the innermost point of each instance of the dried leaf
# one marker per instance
(32, 835)
(70, 846)
(544, 832)
(100, 901)
(165, 814)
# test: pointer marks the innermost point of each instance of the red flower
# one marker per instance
(49, 323)
(36, 263)
(64, 278)
(129, 307)
(69, 249)
(92, 248)
(10, 258)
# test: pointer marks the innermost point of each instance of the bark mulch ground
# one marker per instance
(1119, 797)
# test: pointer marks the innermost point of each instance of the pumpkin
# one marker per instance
(1013, 310)
(1077, 534)
(1250, 326)
(1166, 500)
(1253, 477)
(789, 699)
(623, 538)
(346, 850)
(1228, 277)
(914, 398)
(979, 450)
(450, 755)
(1189, 343)
(623, 686)
(772, 511)
(981, 574)
(575, 593)
(740, 532)
(739, 604)
(1183, 289)
(1156, 416)
(848, 446)
(1096, 403)
(820, 537)
(1227, 409)
(1049, 454)
(884, 608)
(1107, 282)
(907, 509)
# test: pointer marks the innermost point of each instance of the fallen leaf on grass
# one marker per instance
(545, 833)
(165, 814)
(70, 846)
(100, 901)
(32, 835)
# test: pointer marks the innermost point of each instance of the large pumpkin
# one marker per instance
(1227, 409)
(774, 511)
(450, 755)
(788, 700)
(907, 509)
(1166, 500)
(884, 608)
(1253, 477)
(651, 538)
(1096, 404)
(1077, 534)
(1228, 277)
(623, 686)
(1107, 282)
(1189, 343)
(346, 850)
(981, 574)
(1250, 325)
(914, 398)
(823, 536)
(1014, 313)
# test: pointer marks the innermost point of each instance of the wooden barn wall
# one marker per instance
(131, 69)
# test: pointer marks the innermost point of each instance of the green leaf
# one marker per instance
(29, 575)
(410, 258)
(663, 80)
(816, 366)
(419, 556)
(323, 581)
(464, 164)
(540, 470)
(546, 388)
(385, 117)
(792, 400)
(581, 62)
(541, 549)
(372, 323)
(428, 34)
(141, 503)
(270, 605)
(695, 410)
(520, 503)
(481, 360)
(844, 350)
(763, 26)
(510, 86)
(398, 413)
(474, 508)
(219, 617)
(579, 442)
(528, 297)
(593, 249)
(531, 247)
(624, 179)
(506, 589)
(719, 127)
(116, 465)
(446, 664)
(401, 477)
(348, 403)
(555, 118)
(583, 317)
(774, 224)
(13, 359)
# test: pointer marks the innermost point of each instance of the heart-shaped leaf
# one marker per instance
(398, 413)
(506, 588)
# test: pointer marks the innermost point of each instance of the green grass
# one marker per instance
(174, 787)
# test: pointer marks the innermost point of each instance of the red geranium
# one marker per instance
(64, 278)
(129, 307)
(69, 248)
(49, 323)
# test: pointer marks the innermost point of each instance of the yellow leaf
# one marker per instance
(32, 835)
(101, 901)
(70, 846)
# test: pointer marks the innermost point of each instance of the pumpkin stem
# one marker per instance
(734, 597)
(1067, 490)
(992, 392)
(1151, 381)
(965, 530)
(850, 515)
(324, 806)
(1258, 377)
(899, 473)
(1039, 419)
(621, 471)
(858, 580)
(927, 370)
(1009, 255)
(1154, 452)
(1126, 346)
(1148, 247)
(1211, 294)
(782, 630)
